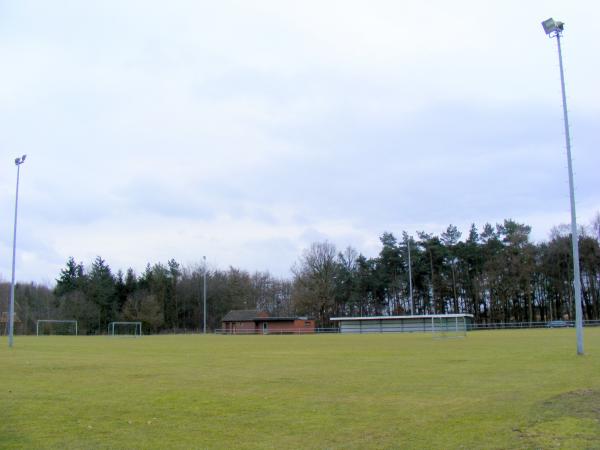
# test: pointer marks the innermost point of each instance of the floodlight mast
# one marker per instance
(11, 307)
(554, 28)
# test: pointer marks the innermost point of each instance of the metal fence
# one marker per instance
(470, 327)
(523, 325)
(277, 332)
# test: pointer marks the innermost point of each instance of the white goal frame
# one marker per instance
(37, 324)
(443, 327)
(137, 330)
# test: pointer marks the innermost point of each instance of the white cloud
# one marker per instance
(244, 130)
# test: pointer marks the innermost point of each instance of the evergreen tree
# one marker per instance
(101, 290)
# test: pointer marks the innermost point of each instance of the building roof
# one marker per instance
(280, 319)
(426, 316)
(241, 315)
(249, 315)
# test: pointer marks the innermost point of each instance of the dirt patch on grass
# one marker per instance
(584, 403)
(569, 420)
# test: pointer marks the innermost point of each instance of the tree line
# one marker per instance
(495, 273)
(165, 297)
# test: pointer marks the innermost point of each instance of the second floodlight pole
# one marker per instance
(11, 306)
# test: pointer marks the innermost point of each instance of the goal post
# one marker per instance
(62, 327)
(449, 326)
(125, 329)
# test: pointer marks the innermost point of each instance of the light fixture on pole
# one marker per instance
(11, 307)
(554, 28)
(204, 289)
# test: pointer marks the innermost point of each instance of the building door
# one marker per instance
(265, 328)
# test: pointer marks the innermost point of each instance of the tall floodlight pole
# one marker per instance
(11, 307)
(554, 28)
(410, 289)
(204, 289)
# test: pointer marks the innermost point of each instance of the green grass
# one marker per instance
(494, 389)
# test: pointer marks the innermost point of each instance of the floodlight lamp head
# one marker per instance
(23, 158)
(552, 26)
(17, 161)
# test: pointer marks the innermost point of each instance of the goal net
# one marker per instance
(133, 329)
(53, 327)
(448, 327)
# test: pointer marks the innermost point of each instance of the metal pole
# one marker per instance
(410, 289)
(204, 289)
(574, 233)
(11, 308)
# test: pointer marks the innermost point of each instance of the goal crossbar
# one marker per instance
(137, 328)
(449, 326)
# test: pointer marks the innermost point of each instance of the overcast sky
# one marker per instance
(246, 130)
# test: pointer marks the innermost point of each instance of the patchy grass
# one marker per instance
(569, 420)
(494, 389)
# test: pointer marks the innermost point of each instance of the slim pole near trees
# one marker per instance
(410, 288)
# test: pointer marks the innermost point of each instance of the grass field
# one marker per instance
(493, 389)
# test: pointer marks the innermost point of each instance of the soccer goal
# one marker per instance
(45, 327)
(449, 326)
(133, 329)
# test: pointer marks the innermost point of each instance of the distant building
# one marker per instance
(241, 321)
(404, 324)
(245, 321)
(18, 326)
